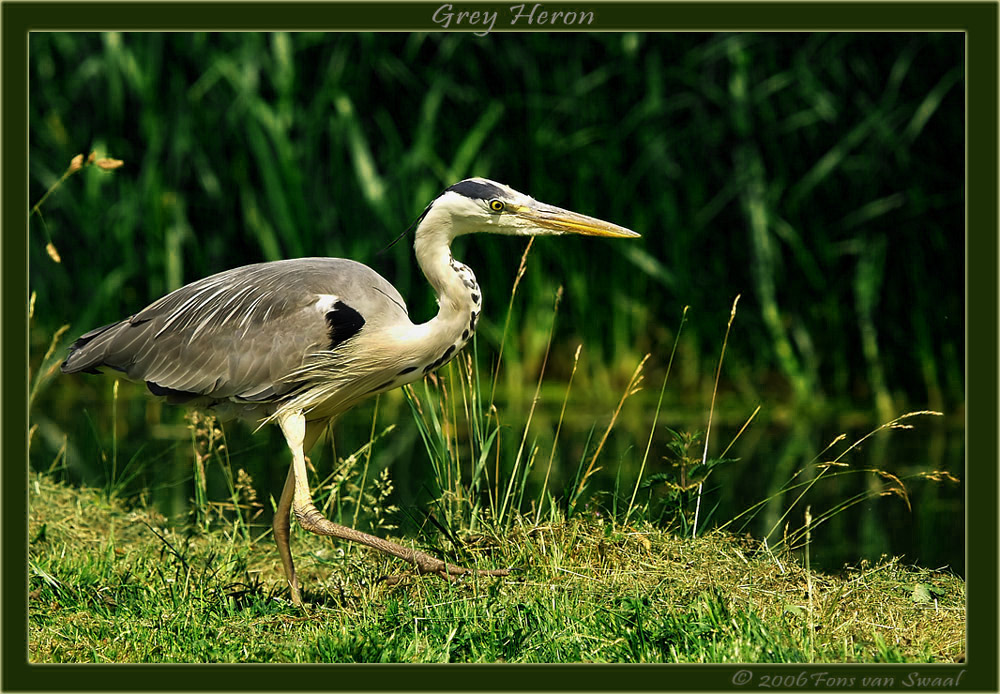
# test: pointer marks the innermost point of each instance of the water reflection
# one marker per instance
(929, 530)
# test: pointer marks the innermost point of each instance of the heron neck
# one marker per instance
(458, 295)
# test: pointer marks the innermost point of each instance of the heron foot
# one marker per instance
(426, 564)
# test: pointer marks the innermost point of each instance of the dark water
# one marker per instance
(927, 527)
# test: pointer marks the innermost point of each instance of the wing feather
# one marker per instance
(239, 334)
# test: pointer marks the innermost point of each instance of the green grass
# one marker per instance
(113, 584)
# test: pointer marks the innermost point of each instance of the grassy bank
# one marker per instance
(115, 584)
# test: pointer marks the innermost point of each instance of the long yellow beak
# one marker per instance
(564, 221)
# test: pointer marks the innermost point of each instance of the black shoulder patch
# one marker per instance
(344, 323)
(476, 190)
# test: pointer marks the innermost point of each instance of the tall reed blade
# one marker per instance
(368, 460)
(711, 411)
(555, 438)
(510, 308)
(631, 389)
(656, 413)
(809, 585)
(534, 402)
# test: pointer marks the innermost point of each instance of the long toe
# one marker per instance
(450, 572)
(454, 573)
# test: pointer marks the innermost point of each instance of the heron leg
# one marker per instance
(281, 526)
(293, 425)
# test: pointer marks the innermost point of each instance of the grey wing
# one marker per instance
(239, 333)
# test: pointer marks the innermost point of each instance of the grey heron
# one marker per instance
(300, 342)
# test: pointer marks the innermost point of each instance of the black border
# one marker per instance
(977, 20)
(417, 16)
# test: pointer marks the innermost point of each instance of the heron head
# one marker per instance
(481, 205)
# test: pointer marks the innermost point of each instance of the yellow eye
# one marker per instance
(496, 205)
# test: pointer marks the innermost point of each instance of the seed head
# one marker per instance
(53, 253)
(108, 164)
